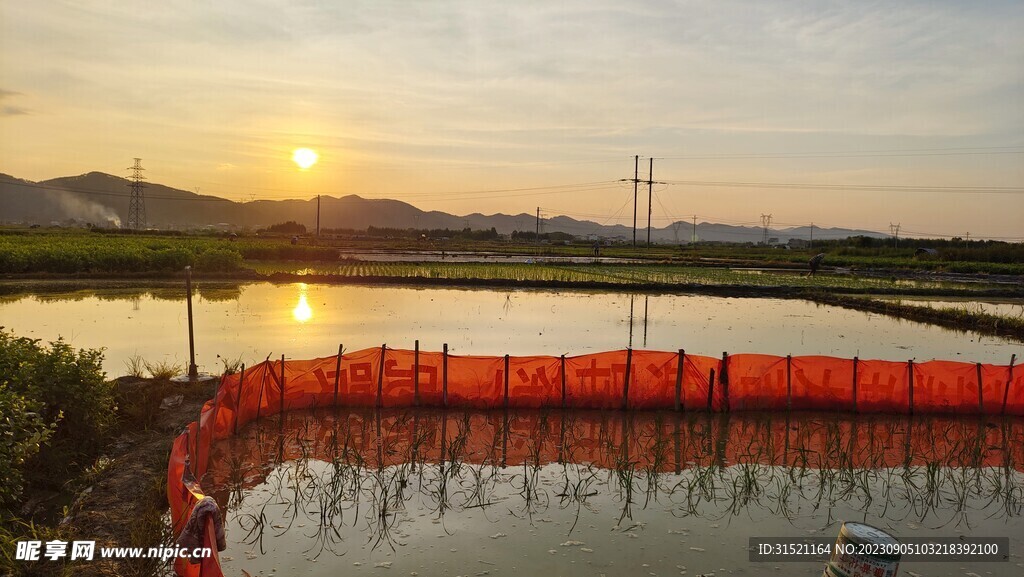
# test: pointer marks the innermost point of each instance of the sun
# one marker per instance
(305, 157)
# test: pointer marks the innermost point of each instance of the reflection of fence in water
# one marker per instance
(375, 462)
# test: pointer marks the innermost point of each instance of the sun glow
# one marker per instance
(305, 157)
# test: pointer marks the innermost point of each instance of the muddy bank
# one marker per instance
(954, 319)
(125, 506)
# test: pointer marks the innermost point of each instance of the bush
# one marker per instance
(69, 391)
(219, 259)
(22, 432)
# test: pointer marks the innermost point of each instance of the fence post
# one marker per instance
(506, 381)
(238, 399)
(1009, 380)
(337, 375)
(981, 399)
(380, 376)
(282, 388)
(416, 374)
(711, 389)
(563, 385)
(267, 367)
(723, 379)
(679, 380)
(625, 381)
(444, 377)
(789, 382)
(855, 360)
(910, 372)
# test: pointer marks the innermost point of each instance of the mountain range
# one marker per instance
(102, 199)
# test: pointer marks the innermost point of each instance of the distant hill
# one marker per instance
(102, 198)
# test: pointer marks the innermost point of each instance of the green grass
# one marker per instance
(71, 252)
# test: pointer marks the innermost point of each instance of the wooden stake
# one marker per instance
(238, 399)
(506, 382)
(444, 377)
(1009, 381)
(416, 374)
(337, 375)
(282, 388)
(268, 367)
(981, 401)
(380, 376)
(723, 379)
(855, 360)
(789, 382)
(625, 381)
(679, 380)
(563, 384)
(910, 372)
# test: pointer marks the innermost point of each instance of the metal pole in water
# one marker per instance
(193, 370)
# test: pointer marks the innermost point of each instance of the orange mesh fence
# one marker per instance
(626, 379)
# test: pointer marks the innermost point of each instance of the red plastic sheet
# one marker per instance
(382, 377)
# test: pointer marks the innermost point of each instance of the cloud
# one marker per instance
(13, 111)
(226, 166)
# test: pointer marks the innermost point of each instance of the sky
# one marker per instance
(856, 114)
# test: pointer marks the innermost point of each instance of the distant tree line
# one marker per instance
(414, 233)
(954, 249)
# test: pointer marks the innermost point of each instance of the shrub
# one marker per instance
(68, 390)
(22, 432)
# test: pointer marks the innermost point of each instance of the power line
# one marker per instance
(953, 151)
(855, 187)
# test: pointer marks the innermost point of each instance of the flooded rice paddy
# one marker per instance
(251, 321)
(590, 493)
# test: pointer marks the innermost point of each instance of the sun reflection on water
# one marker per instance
(302, 312)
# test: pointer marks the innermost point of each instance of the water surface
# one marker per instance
(255, 320)
(601, 493)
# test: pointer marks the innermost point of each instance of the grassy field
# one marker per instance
(67, 251)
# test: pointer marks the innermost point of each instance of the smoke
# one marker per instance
(73, 206)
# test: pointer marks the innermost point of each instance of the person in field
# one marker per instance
(815, 262)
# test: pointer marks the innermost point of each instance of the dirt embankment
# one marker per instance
(126, 505)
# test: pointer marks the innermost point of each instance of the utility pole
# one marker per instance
(766, 221)
(318, 216)
(538, 225)
(636, 181)
(694, 239)
(812, 235)
(137, 202)
(894, 230)
(650, 192)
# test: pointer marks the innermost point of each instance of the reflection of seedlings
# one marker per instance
(254, 526)
(360, 472)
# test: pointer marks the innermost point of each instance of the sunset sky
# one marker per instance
(480, 106)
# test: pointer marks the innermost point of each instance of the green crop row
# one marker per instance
(94, 253)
